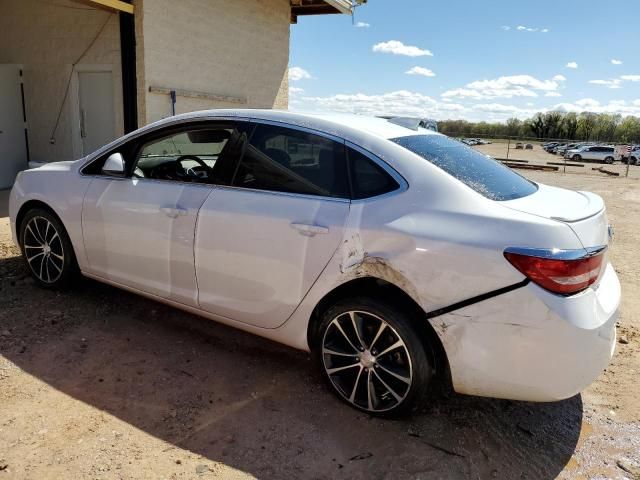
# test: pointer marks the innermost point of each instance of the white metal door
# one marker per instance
(258, 253)
(97, 116)
(139, 233)
(13, 143)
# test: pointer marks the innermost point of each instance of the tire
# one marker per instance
(47, 250)
(608, 160)
(633, 161)
(372, 375)
(576, 158)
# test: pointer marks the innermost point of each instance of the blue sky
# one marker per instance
(473, 60)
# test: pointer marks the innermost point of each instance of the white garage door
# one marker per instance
(13, 145)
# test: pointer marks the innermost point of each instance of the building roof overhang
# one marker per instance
(322, 7)
(111, 5)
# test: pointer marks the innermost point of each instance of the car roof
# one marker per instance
(333, 123)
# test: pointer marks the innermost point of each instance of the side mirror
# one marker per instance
(114, 165)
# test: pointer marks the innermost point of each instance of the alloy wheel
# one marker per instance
(367, 361)
(43, 249)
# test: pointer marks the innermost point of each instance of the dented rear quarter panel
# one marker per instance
(438, 241)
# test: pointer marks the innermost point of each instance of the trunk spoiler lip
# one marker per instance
(574, 220)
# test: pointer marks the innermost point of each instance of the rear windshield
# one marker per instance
(485, 175)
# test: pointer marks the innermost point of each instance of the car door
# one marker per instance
(139, 228)
(587, 153)
(263, 241)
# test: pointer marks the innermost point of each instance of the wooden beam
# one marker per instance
(202, 95)
(112, 5)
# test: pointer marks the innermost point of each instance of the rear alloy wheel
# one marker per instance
(372, 358)
(608, 160)
(46, 249)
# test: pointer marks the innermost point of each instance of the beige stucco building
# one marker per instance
(75, 74)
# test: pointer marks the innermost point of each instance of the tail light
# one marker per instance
(560, 271)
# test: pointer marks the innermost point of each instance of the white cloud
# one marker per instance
(612, 83)
(503, 87)
(524, 28)
(362, 25)
(298, 73)
(592, 105)
(294, 90)
(616, 62)
(398, 48)
(552, 94)
(572, 65)
(631, 78)
(559, 78)
(506, 28)
(408, 103)
(425, 72)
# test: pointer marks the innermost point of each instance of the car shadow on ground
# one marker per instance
(254, 405)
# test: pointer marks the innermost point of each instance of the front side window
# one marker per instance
(202, 154)
(479, 172)
(287, 160)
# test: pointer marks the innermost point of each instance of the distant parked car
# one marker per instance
(555, 149)
(596, 153)
(519, 146)
(528, 146)
(561, 150)
(634, 157)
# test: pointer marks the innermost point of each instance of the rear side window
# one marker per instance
(367, 178)
(281, 159)
(483, 174)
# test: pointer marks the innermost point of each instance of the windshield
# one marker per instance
(483, 174)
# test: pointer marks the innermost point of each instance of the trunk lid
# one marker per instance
(583, 212)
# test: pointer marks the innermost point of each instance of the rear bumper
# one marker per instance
(532, 345)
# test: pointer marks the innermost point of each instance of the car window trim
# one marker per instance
(285, 194)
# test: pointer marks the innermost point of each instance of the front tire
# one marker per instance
(576, 158)
(371, 357)
(47, 250)
(608, 160)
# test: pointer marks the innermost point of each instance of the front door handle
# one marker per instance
(309, 230)
(172, 212)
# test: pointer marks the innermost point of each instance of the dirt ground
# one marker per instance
(98, 383)
(537, 156)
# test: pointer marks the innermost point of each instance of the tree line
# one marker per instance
(585, 126)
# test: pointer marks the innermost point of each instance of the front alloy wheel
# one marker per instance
(46, 249)
(372, 358)
(43, 250)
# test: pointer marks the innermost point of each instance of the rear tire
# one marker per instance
(608, 160)
(47, 250)
(371, 357)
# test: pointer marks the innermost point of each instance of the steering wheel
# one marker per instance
(190, 172)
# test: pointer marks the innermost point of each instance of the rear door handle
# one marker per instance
(172, 212)
(309, 230)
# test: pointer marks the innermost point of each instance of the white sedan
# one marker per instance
(397, 256)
